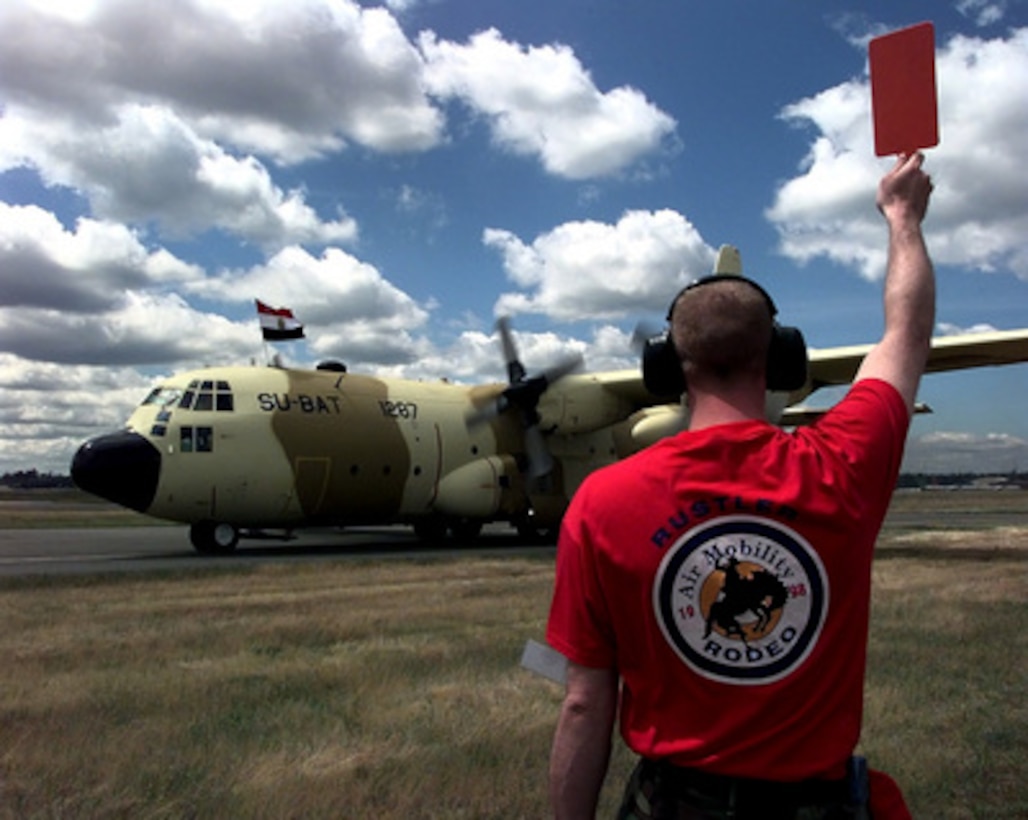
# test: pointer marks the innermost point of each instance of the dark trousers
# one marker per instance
(659, 791)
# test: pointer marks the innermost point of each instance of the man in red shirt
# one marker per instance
(717, 584)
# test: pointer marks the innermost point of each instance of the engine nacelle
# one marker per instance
(647, 426)
(480, 489)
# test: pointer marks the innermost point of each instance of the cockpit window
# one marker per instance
(208, 395)
(163, 396)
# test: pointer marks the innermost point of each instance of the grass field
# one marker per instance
(391, 689)
(63, 508)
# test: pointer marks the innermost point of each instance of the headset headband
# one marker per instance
(723, 277)
(786, 355)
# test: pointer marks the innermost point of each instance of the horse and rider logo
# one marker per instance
(741, 599)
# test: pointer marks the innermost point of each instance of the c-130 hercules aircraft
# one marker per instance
(238, 450)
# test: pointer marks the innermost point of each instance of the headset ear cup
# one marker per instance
(662, 371)
(786, 359)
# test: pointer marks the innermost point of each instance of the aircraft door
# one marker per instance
(312, 476)
(425, 465)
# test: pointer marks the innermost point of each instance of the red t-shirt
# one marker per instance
(726, 574)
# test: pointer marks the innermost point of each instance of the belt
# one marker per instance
(693, 784)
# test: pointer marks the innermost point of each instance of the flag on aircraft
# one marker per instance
(278, 324)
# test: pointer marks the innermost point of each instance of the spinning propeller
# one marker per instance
(522, 394)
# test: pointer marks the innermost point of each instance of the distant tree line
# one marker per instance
(35, 480)
(921, 480)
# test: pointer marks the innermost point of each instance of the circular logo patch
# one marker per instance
(741, 599)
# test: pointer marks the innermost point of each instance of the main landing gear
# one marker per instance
(213, 538)
(434, 529)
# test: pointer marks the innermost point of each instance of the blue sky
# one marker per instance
(401, 174)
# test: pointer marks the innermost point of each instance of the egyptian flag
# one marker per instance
(278, 324)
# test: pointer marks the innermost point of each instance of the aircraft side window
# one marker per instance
(187, 400)
(204, 439)
(152, 396)
(186, 440)
(204, 401)
(158, 430)
(224, 402)
(207, 384)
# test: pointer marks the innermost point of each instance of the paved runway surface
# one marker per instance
(130, 549)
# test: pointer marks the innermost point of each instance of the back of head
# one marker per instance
(722, 332)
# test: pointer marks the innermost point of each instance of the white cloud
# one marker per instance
(147, 164)
(475, 357)
(957, 452)
(949, 329)
(584, 270)
(288, 80)
(983, 12)
(97, 295)
(331, 288)
(47, 410)
(91, 268)
(143, 329)
(360, 316)
(540, 101)
(979, 212)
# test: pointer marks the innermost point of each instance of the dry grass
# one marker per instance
(389, 689)
(385, 690)
(946, 710)
(64, 508)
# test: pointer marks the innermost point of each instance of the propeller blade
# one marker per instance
(540, 462)
(515, 370)
(486, 413)
(644, 331)
(570, 365)
(523, 393)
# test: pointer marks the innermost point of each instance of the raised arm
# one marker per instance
(909, 293)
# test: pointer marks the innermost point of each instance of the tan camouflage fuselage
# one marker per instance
(289, 448)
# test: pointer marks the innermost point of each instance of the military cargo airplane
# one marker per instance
(234, 451)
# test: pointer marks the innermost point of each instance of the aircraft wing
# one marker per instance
(625, 384)
(838, 365)
(588, 401)
(798, 415)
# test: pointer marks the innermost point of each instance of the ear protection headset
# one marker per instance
(786, 356)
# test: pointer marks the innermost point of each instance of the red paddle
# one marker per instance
(903, 97)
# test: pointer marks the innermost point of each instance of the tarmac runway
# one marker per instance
(166, 548)
(25, 552)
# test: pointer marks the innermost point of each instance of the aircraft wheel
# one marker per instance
(465, 529)
(430, 530)
(213, 538)
(532, 534)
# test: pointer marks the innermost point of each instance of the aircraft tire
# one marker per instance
(430, 530)
(213, 537)
(465, 529)
(529, 533)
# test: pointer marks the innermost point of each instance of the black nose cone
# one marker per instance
(122, 467)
